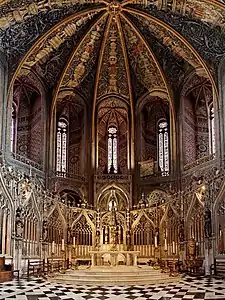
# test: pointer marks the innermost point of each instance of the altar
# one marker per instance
(130, 257)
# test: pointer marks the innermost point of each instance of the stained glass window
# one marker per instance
(61, 153)
(163, 147)
(212, 140)
(112, 150)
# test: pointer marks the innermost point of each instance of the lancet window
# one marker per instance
(163, 147)
(62, 137)
(212, 145)
(112, 150)
(13, 129)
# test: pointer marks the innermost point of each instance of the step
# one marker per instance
(115, 275)
(144, 281)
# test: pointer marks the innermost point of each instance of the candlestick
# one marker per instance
(53, 247)
(74, 244)
(173, 248)
(156, 244)
(165, 248)
(63, 245)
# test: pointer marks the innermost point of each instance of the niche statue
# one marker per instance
(208, 223)
(45, 231)
(97, 239)
(19, 223)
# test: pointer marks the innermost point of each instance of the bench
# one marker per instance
(218, 268)
(55, 265)
(35, 268)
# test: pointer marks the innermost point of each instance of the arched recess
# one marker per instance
(157, 196)
(56, 230)
(7, 224)
(70, 198)
(72, 109)
(109, 194)
(143, 235)
(152, 110)
(32, 227)
(169, 227)
(112, 112)
(83, 232)
(27, 120)
(198, 110)
(194, 222)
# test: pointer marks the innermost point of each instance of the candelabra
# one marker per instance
(174, 272)
(166, 269)
(156, 256)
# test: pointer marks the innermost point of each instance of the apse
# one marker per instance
(111, 134)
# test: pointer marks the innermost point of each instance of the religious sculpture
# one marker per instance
(113, 225)
(128, 240)
(191, 248)
(97, 239)
(208, 223)
(19, 223)
(45, 231)
(181, 231)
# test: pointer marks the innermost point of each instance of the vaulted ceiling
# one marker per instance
(102, 47)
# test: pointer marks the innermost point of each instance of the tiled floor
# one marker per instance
(188, 288)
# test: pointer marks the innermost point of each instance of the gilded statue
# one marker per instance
(97, 239)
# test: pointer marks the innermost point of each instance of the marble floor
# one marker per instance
(187, 288)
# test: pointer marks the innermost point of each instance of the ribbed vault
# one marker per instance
(122, 41)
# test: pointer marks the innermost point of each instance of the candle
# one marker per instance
(74, 244)
(165, 248)
(63, 245)
(156, 245)
(53, 247)
(173, 248)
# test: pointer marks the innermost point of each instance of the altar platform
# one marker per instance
(118, 275)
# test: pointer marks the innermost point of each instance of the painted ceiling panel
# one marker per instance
(109, 47)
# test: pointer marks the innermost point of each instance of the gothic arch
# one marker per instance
(83, 213)
(60, 216)
(135, 223)
(106, 190)
(197, 139)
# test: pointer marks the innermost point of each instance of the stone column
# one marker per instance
(4, 231)
(128, 259)
(44, 251)
(135, 260)
(18, 254)
(69, 253)
(208, 255)
(92, 259)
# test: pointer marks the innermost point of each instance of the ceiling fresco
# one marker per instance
(101, 48)
(113, 74)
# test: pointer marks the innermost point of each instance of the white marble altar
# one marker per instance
(130, 257)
